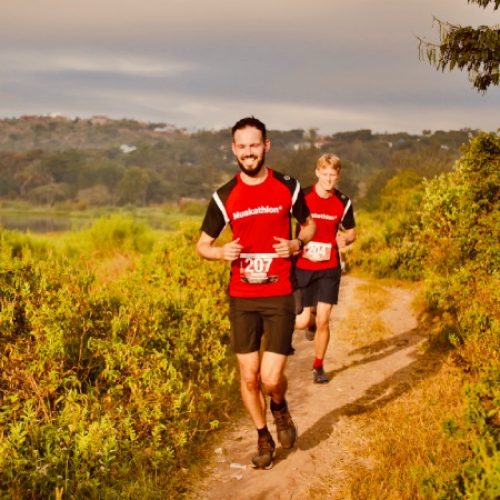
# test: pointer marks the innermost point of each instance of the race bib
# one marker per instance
(316, 251)
(254, 268)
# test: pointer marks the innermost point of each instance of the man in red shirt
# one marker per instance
(317, 269)
(258, 204)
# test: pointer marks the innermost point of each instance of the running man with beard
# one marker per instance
(317, 269)
(258, 204)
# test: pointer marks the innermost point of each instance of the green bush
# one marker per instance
(461, 228)
(108, 388)
(445, 231)
(116, 232)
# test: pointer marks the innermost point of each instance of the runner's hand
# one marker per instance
(341, 240)
(232, 250)
(282, 248)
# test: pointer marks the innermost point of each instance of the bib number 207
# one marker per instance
(257, 264)
(254, 268)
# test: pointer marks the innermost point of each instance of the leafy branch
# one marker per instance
(476, 50)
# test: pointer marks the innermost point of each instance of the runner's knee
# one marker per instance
(322, 323)
(301, 323)
(302, 320)
(251, 383)
(269, 388)
(273, 385)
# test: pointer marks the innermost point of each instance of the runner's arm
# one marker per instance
(285, 248)
(345, 238)
(307, 225)
(306, 233)
(206, 248)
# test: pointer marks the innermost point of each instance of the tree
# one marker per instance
(475, 49)
(133, 186)
(50, 193)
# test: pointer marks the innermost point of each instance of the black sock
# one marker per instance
(278, 406)
(263, 432)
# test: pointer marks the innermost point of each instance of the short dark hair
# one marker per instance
(250, 121)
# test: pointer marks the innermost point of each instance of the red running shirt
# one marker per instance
(329, 214)
(256, 214)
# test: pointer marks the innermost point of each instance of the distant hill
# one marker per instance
(100, 161)
(56, 133)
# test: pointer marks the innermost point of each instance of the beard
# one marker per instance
(256, 170)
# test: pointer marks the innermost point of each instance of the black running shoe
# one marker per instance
(265, 453)
(311, 332)
(319, 376)
(287, 431)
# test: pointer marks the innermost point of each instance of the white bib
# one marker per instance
(254, 268)
(316, 251)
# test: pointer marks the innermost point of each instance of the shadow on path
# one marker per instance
(381, 349)
(425, 365)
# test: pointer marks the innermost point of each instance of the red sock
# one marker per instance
(318, 363)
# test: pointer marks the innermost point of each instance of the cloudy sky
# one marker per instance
(335, 65)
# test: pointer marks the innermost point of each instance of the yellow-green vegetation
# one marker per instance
(406, 442)
(113, 362)
(384, 248)
(113, 340)
(445, 232)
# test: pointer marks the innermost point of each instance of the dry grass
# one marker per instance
(400, 443)
(406, 441)
(364, 326)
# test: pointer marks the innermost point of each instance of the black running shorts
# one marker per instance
(266, 322)
(318, 286)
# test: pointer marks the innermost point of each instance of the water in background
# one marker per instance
(37, 223)
(49, 223)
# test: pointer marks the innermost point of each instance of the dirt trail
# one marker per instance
(363, 376)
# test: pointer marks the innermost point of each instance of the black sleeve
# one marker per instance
(214, 222)
(347, 221)
(300, 210)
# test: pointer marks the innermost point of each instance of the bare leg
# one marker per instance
(322, 338)
(302, 320)
(251, 393)
(274, 381)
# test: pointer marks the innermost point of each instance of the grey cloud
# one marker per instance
(326, 63)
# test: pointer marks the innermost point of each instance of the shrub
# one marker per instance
(108, 388)
(445, 231)
(461, 228)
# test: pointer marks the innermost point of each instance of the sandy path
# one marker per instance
(364, 376)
